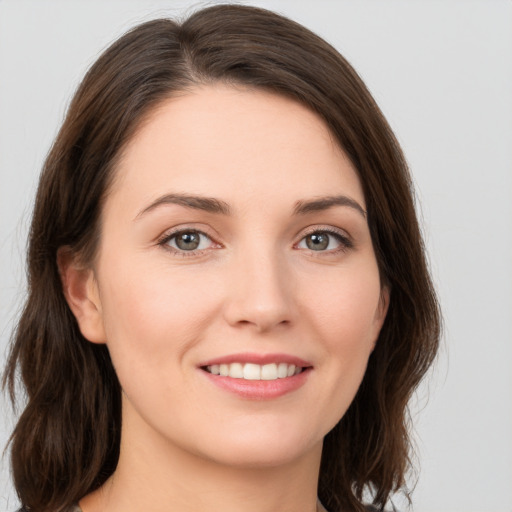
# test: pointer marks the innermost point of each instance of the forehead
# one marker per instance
(232, 143)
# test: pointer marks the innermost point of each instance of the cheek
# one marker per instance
(345, 305)
(345, 315)
(152, 316)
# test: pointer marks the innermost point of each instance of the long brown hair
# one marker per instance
(66, 442)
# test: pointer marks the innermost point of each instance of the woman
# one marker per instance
(229, 304)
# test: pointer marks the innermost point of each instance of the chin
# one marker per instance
(261, 449)
(249, 458)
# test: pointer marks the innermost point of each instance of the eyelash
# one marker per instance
(344, 241)
(178, 252)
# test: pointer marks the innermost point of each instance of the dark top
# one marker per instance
(76, 508)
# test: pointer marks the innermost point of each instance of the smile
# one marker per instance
(252, 371)
(257, 376)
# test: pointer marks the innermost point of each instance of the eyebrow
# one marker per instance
(324, 203)
(217, 206)
(208, 204)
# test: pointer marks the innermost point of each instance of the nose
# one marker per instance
(259, 292)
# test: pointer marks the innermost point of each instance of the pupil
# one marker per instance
(318, 241)
(188, 241)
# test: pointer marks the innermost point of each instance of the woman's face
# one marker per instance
(235, 252)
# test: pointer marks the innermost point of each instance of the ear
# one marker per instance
(381, 312)
(81, 291)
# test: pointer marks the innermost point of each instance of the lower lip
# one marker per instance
(259, 389)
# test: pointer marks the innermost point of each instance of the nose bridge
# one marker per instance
(260, 291)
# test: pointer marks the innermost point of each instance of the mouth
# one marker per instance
(253, 371)
(257, 376)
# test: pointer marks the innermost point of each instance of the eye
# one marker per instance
(325, 241)
(187, 241)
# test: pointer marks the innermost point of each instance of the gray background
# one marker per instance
(442, 73)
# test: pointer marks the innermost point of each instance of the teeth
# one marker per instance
(236, 370)
(282, 371)
(251, 371)
(269, 372)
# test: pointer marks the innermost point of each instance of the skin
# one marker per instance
(253, 286)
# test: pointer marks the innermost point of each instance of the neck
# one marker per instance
(160, 476)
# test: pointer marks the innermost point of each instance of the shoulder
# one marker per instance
(72, 508)
(368, 508)
(373, 508)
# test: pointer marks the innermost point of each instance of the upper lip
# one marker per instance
(260, 359)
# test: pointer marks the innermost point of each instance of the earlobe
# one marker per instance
(384, 303)
(81, 292)
(382, 310)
